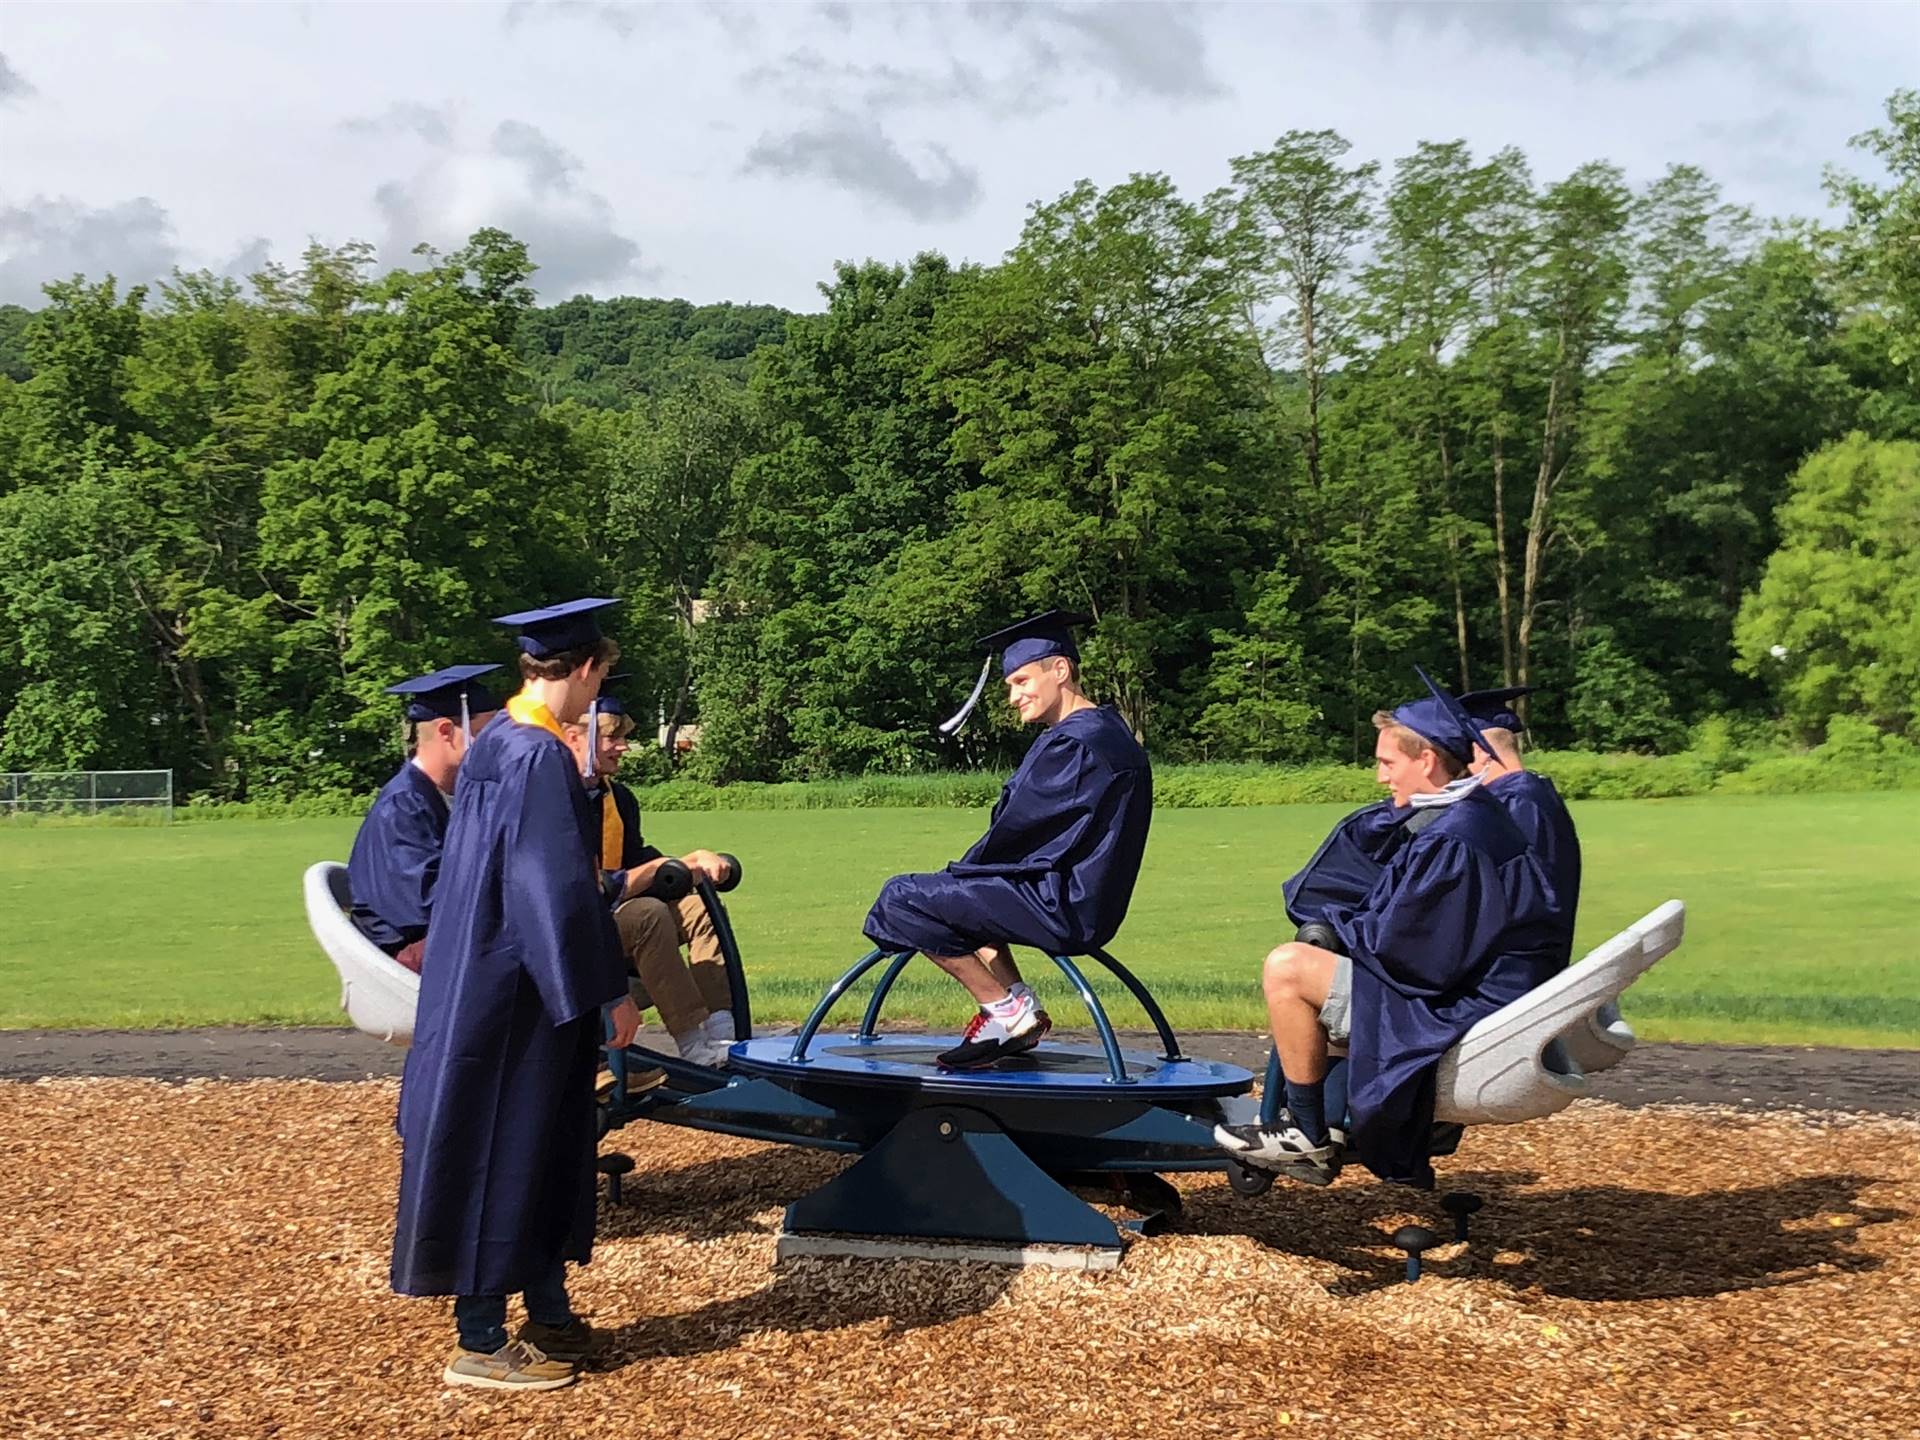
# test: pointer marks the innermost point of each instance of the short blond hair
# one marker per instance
(1499, 737)
(1411, 742)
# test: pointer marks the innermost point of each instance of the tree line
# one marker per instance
(1630, 444)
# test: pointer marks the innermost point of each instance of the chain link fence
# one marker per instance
(86, 792)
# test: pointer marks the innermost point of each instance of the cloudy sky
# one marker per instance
(734, 152)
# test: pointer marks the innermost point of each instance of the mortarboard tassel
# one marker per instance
(593, 741)
(466, 718)
(951, 725)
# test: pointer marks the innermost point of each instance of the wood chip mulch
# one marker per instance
(209, 1260)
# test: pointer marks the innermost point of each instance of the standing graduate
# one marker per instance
(396, 854)
(1057, 865)
(522, 977)
(1461, 922)
(1530, 797)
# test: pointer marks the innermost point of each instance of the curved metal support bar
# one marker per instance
(1272, 1090)
(1116, 1067)
(737, 1000)
(804, 1039)
(1170, 1047)
(872, 1017)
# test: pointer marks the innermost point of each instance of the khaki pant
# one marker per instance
(684, 992)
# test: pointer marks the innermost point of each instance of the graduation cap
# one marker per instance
(553, 628)
(448, 694)
(1039, 638)
(1495, 707)
(611, 701)
(1444, 722)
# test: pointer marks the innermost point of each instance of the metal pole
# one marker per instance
(1116, 1067)
(872, 1017)
(834, 992)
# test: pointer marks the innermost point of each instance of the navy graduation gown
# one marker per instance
(1057, 865)
(1347, 863)
(1535, 806)
(396, 859)
(496, 1105)
(1460, 923)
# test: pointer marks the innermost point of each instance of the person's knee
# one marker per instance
(1281, 974)
(641, 921)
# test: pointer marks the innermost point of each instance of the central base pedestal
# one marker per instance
(948, 1175)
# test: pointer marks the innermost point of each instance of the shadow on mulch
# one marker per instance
(1602, 1242)
(714, 1199)
(711, 1199)
(808, 1297)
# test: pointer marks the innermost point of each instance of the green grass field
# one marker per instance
(1803, 913)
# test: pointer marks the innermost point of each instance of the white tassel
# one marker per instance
(951, 725)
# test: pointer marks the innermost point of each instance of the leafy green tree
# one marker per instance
(430, 495)
(1256, 702)
(1100, 384)
(1883, 227)
(1834, 625)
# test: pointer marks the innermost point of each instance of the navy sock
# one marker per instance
(1307, 1103)
(1336, 1090)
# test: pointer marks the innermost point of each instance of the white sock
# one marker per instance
(720, 1027)
(1023, 991)
(1006, 1009)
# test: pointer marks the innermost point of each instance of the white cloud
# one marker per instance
(853, 152)
(52, 239)
(519, 180)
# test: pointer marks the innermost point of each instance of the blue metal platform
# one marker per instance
(1052, 1072)
(984, 1157)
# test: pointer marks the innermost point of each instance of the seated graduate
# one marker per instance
(396, 855)
(1461, 922)
(1057, 865)
(523, 980)
(1344, 868)
(1532, 801)
(691, 995)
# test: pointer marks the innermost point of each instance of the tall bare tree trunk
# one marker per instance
(1453, 561)
(1502, 580)
(1538, 520)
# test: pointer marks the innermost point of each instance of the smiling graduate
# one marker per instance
(1057, 865)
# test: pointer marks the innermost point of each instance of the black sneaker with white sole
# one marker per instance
(988, 1039)
(1282, 1148)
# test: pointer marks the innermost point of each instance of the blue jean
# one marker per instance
(482, 1319)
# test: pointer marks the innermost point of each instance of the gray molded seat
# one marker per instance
(1535, 1056)
(378, 993)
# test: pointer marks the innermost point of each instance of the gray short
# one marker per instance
(1337, 1014)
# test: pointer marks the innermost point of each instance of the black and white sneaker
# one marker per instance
(1282, 1148)
(989, 1039)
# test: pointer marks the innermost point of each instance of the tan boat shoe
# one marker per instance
(514, 1366)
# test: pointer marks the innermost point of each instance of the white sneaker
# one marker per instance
(1283, 1144)
(989, 1038)
(719, 1028)
(698, 1048)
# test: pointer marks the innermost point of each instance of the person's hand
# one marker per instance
(640, 877)
(707, 864)
(624, 1016)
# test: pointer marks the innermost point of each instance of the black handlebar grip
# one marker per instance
(672, 881)
(733, 872)
(1318, 932)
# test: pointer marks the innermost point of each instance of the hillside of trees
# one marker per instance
(1631, 444)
